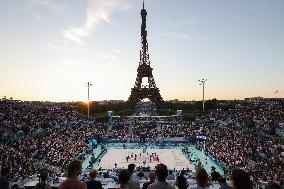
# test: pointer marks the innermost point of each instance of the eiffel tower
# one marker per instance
(139, 91)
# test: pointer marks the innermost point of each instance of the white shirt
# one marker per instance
(133, 183)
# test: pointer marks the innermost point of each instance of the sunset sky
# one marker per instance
(49, 49)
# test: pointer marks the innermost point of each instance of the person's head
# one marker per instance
(182, 173)
(161, 172)
(181, 182)
(131, 168)
(93, 174)
(213, 168)
(221, 181)
(123, 177)
(14, 186)
(241, 179)
(5, 171)
(282, 182)
(272, 185)
(201, 176)
(74, 168)
(152, 176)
(43, 176)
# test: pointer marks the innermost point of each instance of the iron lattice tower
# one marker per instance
(139, 91)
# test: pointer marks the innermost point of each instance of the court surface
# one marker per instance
(173, 158)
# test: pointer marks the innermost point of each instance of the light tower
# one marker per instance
(202, 82)
(89, 84)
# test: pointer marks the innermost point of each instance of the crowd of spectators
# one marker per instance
(20, 165)
(159, 178)
(148, 129)
(170, 130)
(244, 136)
(119, 130)
(42, 133)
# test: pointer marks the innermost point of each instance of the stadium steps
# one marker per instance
(108, 129)
(130, 132)
(160, 132)
(159, 128)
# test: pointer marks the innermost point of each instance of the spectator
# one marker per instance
(133, 182)
(161, 173)
(43, 181)
(181, 181)
(223, 184)
(214, 174)
(123, 179)
(171, 176)
(93, 183)
(4, 183)
(201, 178)
(241, 179)
(72, 181)
(282, 183)
(152, 177)
(141, 174)
(272, 185)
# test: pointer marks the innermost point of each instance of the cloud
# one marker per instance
(195, 21)
(37, 16)
(277, 91)
(97, 13)
(117, 51)
(108, 56)
(50, 4)
(113, 56)
(69, 62)
(173, 34)
(63, 47)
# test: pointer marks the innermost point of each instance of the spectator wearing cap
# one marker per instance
(214, 174)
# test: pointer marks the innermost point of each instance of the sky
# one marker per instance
(50, 49)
